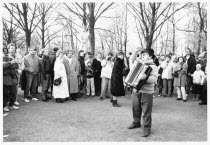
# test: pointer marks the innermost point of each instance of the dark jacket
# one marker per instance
(45, 65)
(89, 72)
(117, 86)
(202, 63)
(52, 58)
(191, 63)
(97, 68)
(9, 72)
(82, 65)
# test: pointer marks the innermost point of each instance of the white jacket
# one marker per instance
(106, 71)
(167, 70)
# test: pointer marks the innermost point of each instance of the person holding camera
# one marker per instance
(167, 76)
(106, 72)
(10, 79)
(180, 80)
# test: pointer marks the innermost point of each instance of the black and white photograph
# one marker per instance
(104, 71)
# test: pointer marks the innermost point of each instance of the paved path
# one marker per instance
(90, 119)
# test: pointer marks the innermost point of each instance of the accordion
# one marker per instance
(133, 78)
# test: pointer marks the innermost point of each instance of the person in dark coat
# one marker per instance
(45, 71)
(81, 60)
(10, 80)
(117, 87)
(191, 63)
(52, 58)
(97, 77)
(203, 96)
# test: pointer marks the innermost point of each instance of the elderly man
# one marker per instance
(10, 80)
(72, 70)
(31, 67)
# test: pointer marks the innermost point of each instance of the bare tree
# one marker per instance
(25, 20)
(89, 13)
(203, 23)
(46, 21)
(151, 18)
(11, 33)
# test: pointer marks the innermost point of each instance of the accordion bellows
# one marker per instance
(134, 76)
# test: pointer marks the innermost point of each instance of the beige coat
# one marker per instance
(74, 71)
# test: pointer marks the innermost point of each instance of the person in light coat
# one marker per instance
(74, 71)
(180, 81)
(61, 91)
(167, 76)
(106, 72)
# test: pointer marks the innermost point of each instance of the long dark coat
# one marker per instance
(117, 87)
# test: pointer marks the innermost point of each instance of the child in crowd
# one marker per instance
(198, 77)
(89, 78)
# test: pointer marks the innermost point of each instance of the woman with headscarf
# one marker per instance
(61, 91)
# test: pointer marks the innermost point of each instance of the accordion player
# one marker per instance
(133, 78)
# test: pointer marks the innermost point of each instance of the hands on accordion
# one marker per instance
(134, 76)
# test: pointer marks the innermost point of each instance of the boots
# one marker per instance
(44, 98)
(114, 103)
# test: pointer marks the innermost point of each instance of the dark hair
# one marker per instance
(110, 54)
(80, 52)
(55, 49)
(182, 58)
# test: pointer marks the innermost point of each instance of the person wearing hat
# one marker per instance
(52, 58)
(117, 86)
(61, 91)
(142, 100)
(167, 77)
(31, 67)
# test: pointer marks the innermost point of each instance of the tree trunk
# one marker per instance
(84, 20)
(42, 30)
(91, 28)
(174, 39)
(28, 40)
(71, 37)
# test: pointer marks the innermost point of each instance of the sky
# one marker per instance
(133, 40)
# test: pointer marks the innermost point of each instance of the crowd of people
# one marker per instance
(67, 76)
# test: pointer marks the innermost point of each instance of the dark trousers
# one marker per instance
(189, 84)
(30, 85)
(160, 85)
(203, 96)
(9, 95)
(97, 83)
(51, 82)
(45, 85)
(142, 103)
(167, 85)
(172, 86)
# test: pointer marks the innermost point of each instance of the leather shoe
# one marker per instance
(44, 100)
(146, 133)
(202, 103)
(74, 99)
(134, 125)
(101, 98)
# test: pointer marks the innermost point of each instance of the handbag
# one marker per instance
(175, 74)
(57, 81)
